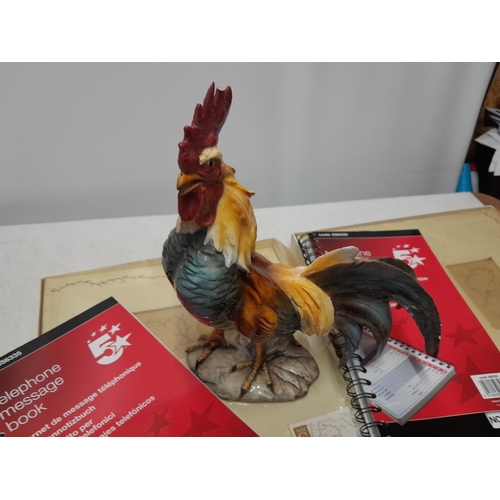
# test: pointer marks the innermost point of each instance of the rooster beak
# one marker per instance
(187, 183)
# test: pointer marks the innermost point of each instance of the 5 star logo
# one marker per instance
(104, 348)
(408, 255)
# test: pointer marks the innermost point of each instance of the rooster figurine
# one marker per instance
(210, 259)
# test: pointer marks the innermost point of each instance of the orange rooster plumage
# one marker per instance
(210, 259)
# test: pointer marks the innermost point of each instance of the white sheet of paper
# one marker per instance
(487, 140)
(495, 163)
(493, 133)
(493, 111)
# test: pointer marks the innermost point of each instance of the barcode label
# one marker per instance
(488, 384)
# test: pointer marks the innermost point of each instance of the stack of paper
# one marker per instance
(492, 140)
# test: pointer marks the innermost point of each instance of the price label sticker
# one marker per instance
(494, 419)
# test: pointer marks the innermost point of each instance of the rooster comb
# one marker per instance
(208, 120)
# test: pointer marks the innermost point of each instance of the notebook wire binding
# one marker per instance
(308, 246)
(361, 400)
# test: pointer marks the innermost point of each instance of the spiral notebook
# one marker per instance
(403, 379)
(469, 383)
(399, 382)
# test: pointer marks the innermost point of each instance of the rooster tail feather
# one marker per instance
(356, 312)
(327, 260)
(361, 291)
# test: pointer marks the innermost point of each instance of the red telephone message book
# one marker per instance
(103, 373)
(475, 389)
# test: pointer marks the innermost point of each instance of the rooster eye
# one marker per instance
(211, 163)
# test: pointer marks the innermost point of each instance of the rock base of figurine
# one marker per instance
(292, 370)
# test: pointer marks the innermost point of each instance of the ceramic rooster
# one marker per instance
(210, 259)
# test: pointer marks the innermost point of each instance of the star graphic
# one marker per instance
(469, 390)
(415, 259)
(93, 334)
(114, 329)
(159, 422)
(121, 341)
(407, 246)
(103, 328)
(414, 250)
(200, 422)
(398, 246)
(461, 335)
(401, 321)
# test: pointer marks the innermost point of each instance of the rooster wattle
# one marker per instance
(210, 259)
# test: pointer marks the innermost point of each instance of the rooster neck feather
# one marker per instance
(234, 230)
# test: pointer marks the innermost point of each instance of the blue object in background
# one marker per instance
(464, 182)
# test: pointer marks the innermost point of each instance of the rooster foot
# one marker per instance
(258, 363)
(213, 342)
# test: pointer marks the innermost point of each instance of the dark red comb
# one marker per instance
(208, 119)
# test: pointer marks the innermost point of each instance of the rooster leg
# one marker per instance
(215, 340)
(259, 363)
(267, 375)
